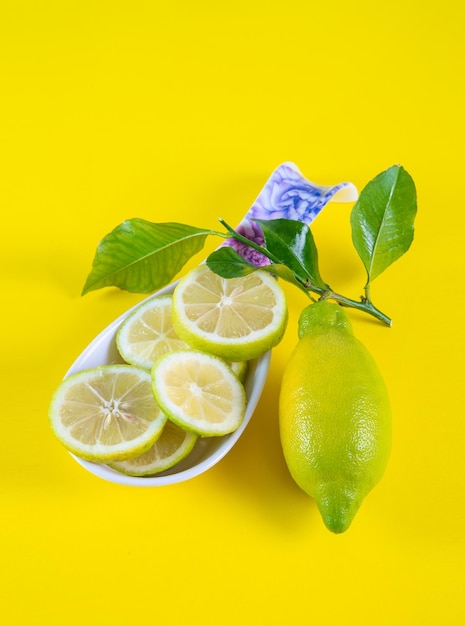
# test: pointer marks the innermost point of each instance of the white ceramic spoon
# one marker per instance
(286, 194)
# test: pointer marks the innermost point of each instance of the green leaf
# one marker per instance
(382, 220)
(140, 256)
(228, 263)
(291, 243)
(283, 272)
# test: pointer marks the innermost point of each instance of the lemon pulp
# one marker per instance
(106, 413)
(173, 445)
(148, 332)
(237, 319)
(199, 392)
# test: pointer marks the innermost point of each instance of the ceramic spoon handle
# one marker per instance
(287, 194)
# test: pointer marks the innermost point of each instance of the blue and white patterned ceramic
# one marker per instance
(287, 194)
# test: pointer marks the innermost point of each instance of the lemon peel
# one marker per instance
(335, 417)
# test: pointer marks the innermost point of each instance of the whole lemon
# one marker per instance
(334, 414)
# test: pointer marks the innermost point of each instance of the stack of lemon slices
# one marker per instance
(186, 359)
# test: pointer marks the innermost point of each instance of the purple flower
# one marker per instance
(252, 231)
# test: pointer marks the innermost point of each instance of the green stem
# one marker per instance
(361, 305)
(364, 304)
(367, 291)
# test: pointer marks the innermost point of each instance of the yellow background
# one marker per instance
(180, 111)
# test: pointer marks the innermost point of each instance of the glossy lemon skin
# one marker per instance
(335, 416)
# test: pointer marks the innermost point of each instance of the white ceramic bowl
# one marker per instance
(207, 451)
(288, 194)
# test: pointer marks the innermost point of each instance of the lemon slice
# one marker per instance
(148, 332)
(240, 368)
(106, 413)
(199, 392)
(173, 445)
(236, 318)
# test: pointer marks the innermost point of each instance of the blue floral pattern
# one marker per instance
(287, 194)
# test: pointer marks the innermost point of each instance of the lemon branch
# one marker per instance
(364, 305)
(301, 278)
